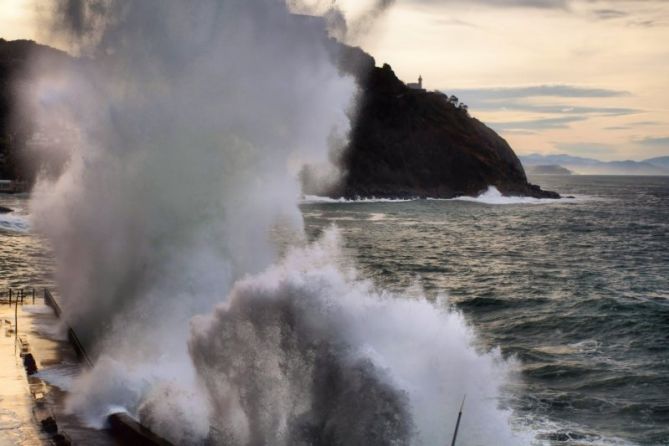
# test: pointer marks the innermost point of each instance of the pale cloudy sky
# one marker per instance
(585, 77)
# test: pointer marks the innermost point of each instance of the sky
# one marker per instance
(583, 77)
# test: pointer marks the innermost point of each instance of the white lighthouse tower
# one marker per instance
(418, 85)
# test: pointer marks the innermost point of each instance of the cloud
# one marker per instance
(453, 22)
(654, 142)
(633, 125)
(536, 124)
(646, 23)
(559, 90)
(553, 109)
(607, 14)
(542, 4)
(585, 148)
(545, 4)
(617, 127)
(518, 99)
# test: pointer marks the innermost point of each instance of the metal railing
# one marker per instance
(17, 295)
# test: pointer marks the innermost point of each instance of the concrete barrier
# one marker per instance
(131, 433)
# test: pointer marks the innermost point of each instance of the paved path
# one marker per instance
(16, 403)
(24, 400)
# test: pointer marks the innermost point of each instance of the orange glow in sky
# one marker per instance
(584, 77)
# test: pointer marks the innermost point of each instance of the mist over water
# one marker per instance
(187, 125)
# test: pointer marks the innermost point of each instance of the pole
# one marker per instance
(33, 296)
(457, 424)
(16, 318)
(10, 298)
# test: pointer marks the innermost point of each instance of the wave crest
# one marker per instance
(14, 223)
(305, 353)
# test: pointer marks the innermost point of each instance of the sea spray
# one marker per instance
(186, 124)
(306, 353)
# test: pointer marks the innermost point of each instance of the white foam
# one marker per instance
(316, 199)
(61, 376)
(376, 216)
(14, 223)
(493, 196)
(306, 337)
(37, 309)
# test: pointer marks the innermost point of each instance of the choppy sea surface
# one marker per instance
(25, 262)
(574, 292)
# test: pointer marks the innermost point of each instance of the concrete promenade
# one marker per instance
(31, 410)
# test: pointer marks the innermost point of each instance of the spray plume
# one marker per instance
(345, 24)
(187, 124)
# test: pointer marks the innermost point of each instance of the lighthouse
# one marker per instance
(418, 85)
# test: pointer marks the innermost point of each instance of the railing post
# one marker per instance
(16, 318)
(10, 297)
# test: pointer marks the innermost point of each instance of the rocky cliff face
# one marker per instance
(414, 143)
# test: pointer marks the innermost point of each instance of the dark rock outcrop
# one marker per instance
(414, 143)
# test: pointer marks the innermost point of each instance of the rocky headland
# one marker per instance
(408, 142)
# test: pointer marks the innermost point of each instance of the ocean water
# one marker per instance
(25, 262)
(575, 292)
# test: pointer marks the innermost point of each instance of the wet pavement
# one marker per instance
(30, 408)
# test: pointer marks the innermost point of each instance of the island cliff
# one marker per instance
(408, 142)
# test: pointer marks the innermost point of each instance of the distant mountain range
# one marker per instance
(547, 169)
(590, 166)
(660, 161)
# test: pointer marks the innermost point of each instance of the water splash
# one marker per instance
(187, 128)
(493, 196)
(14, 223)
(307, 353)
